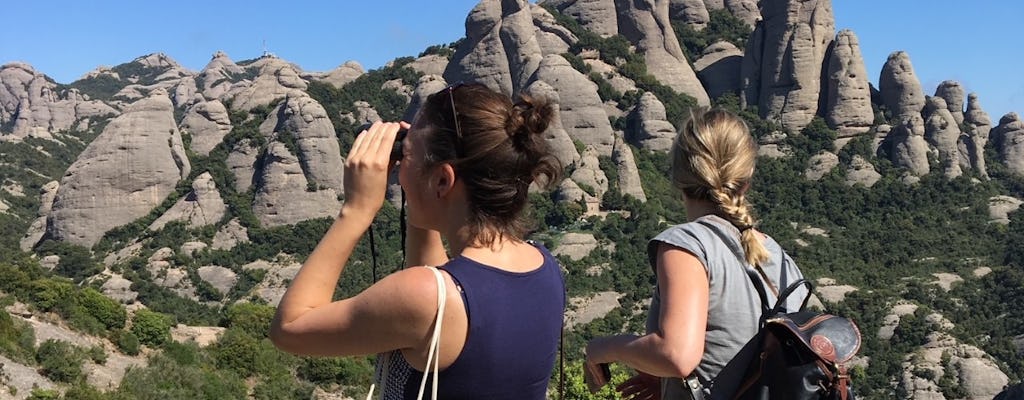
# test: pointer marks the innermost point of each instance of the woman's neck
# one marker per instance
(698, 208)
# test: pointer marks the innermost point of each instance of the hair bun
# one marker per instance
(526, 118)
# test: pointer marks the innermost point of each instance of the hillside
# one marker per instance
(152, 215)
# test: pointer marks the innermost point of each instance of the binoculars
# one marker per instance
(396, 148)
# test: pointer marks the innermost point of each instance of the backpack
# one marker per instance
(801, 355)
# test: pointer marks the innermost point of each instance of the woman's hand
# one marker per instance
(366, 169)
(641, 386)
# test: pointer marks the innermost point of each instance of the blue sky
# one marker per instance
(976, 43)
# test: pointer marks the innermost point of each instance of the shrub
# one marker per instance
(59, 360)
(152, 328)
(127, 342)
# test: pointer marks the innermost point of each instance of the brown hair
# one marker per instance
(713, 159)
(499, 154)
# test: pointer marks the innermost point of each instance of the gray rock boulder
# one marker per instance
(649, 126)
(202, 206)
(575, 246)
(820, 165)
(942, 132)
(500, 49)
(974, 370)
(430, 64)
(848, 93)
(276, 79)
(118, 288)
(588, 174)
(31, 104)
(629, 176)
(900, 87)
(714, 4)
(126, 171)
(283, 196)
(646, 24)
(909, 148)
(220, 278)
(218, 76)
(693, 13)
(552, 37)
(230, 235)
(38, 228)
(241, 162)
(1008, 139)
(580, 108)
(785, 57)
(611, 75)
(746, 10)
(306, 122)
(719, 68)
(978, 125)
(1000, 207)
(558, 140)
(184, 93)
(598, 16)
(344, 74)
(206, 123)
(954, 95)
(861, 172)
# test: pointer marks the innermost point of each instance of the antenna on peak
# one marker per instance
(267, 53)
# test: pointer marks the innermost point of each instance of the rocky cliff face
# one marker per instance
(848, 94)
(32, 105)
(782, 72)
(129, 169)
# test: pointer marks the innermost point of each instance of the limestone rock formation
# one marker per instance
(32, 106)
(241, 162)
(202, 206)
(598, 16)
(588, 174)
(229, 236)
(978, 126)
(848, 93)
(820, 165)
(220, 278)
(558, 140)
(38, 228)
(954, 95)
(900, 88)
(629, 176)
(184, 93)
(648, 122)
(129, 169)
(719, 68)
(218, 75)
(1008, 139)
(275, 281)
(746, 10)
(693, 13)
(283, 196)
(206, 123)
(861, 172)
(500, 49)
(276, 79)
(942, 132)
(575, 245)
(782, 69)
(430, 64)
(975, 372)
(552, 37)
(611, 75)
(344, 74)
(580, 108)
(307, 124)
(908, 146)
(118, 288)
(646, 24)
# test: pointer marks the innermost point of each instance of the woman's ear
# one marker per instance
(444, 179)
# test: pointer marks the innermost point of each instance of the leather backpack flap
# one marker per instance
(832, 338)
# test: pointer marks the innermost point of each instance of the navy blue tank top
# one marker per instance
(515, 322)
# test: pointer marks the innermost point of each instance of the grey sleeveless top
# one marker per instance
(733, 304)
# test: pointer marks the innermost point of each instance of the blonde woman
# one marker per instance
(705, 307)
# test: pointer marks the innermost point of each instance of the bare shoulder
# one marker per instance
(411, 291)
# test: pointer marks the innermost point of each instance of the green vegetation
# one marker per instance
(723, 26)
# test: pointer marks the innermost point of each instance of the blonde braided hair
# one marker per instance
(713, 159)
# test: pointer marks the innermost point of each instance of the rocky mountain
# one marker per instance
(200, 190)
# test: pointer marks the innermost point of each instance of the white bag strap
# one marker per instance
(434, 352)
